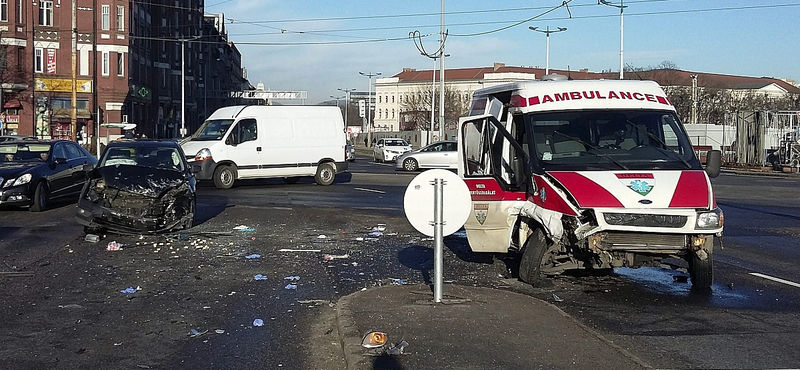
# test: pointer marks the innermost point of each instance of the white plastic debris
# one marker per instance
(331, 257)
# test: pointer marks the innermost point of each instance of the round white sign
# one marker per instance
(419, 202)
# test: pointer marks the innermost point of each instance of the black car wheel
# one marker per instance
(189, 222)
(224, 176)
(532, 261)
(701, 271)
(41, 197)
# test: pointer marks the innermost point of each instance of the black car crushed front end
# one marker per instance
(133, 199)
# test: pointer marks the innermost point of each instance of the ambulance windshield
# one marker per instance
(609, 139)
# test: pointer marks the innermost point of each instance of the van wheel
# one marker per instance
(224, 176)
(532, 261)
(326, 173)
(41, 197)
(410, 164)
(701, 271)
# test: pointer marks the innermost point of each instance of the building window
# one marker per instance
(105, 18)
(19, 11)
(392, 101)
(379, 99)
(120, 18)
(105, 63)
(38, 62)
(120, 64)
(46, 13)
(4, 10)
(20, 58)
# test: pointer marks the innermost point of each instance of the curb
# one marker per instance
(348, 333)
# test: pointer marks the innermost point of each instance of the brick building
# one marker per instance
(130, 60)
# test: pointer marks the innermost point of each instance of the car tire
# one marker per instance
(410, 164)
(41, 197)
(376, 158)
(189, 223)
(701, 271)
(224, 177)
(291, 180)
(326, 173)
(530, 264)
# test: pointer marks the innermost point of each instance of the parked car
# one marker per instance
(139, 187)
(32, 173)
(351, 151)
(388, 149)
(17, 137)
(442, 154)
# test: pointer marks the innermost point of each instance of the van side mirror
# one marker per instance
(713, 163)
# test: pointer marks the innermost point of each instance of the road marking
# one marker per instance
(787, 282)
(371, 190)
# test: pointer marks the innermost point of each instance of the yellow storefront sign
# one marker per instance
(63, 85)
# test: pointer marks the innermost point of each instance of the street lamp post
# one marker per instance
(547, 32)
(183, 82)
(346, 102)
(621, 7)
(337, 100)
(369, 103)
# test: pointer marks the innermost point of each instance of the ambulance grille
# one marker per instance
(645, 220)
(642, 242)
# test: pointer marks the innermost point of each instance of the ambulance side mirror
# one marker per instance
(713, 163)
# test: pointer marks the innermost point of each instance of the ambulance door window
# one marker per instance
(476, 136)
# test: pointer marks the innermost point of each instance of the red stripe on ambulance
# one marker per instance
(691, 191)
(587, 192)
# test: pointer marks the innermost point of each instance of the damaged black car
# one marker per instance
(139, 187)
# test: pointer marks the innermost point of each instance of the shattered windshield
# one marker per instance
(147, 156)
(21, 152)
(212, 130)
(609, 139)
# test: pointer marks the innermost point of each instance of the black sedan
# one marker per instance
(139, 187)
(34, 172)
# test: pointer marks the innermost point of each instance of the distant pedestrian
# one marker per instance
(366, 142)
(373, 142)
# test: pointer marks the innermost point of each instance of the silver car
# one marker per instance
(388, 149)
(442, 154)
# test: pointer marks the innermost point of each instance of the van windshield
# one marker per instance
(212, 130)
(609, 139)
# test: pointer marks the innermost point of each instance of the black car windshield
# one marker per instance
(24, 152)
(609, 139)
(147, 156)
(212, 130)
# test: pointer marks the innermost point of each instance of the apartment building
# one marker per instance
(130, 61)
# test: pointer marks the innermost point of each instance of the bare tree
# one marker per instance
(416, 108)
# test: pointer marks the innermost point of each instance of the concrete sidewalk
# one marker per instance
(491, 329)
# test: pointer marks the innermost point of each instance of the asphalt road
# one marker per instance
(65, 309)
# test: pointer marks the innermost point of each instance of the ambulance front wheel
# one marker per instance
(701, 271)
(532, 260)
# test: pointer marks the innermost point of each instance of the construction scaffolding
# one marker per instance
(764, 138)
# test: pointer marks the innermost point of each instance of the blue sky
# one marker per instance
(319, 46)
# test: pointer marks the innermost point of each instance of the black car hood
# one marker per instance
(14, 169)
(146, 181)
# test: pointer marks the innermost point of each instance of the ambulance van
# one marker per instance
(592, 174)
(257, 141)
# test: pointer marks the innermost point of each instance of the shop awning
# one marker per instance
(13, 103)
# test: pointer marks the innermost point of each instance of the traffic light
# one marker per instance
(100, 115)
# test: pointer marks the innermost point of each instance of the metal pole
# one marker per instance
(73, 126)
(438, 231)
(369, 104)
(547, 33)
(433, 101)
(347, 102)
(183, 87)
(621, 33)
(441, 76)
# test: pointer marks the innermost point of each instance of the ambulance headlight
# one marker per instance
(710, 220)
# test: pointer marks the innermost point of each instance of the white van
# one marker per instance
(257, 142)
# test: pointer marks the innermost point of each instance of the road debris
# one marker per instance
(244, 228)
(195, 333)
(114, 246)
(130, 290)
(260, 277)
(299, 250)
(331, 257)
(396, 350)
(290, 287)
(92, 238)
(258, 322)
(557, 298)
(253, 256)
